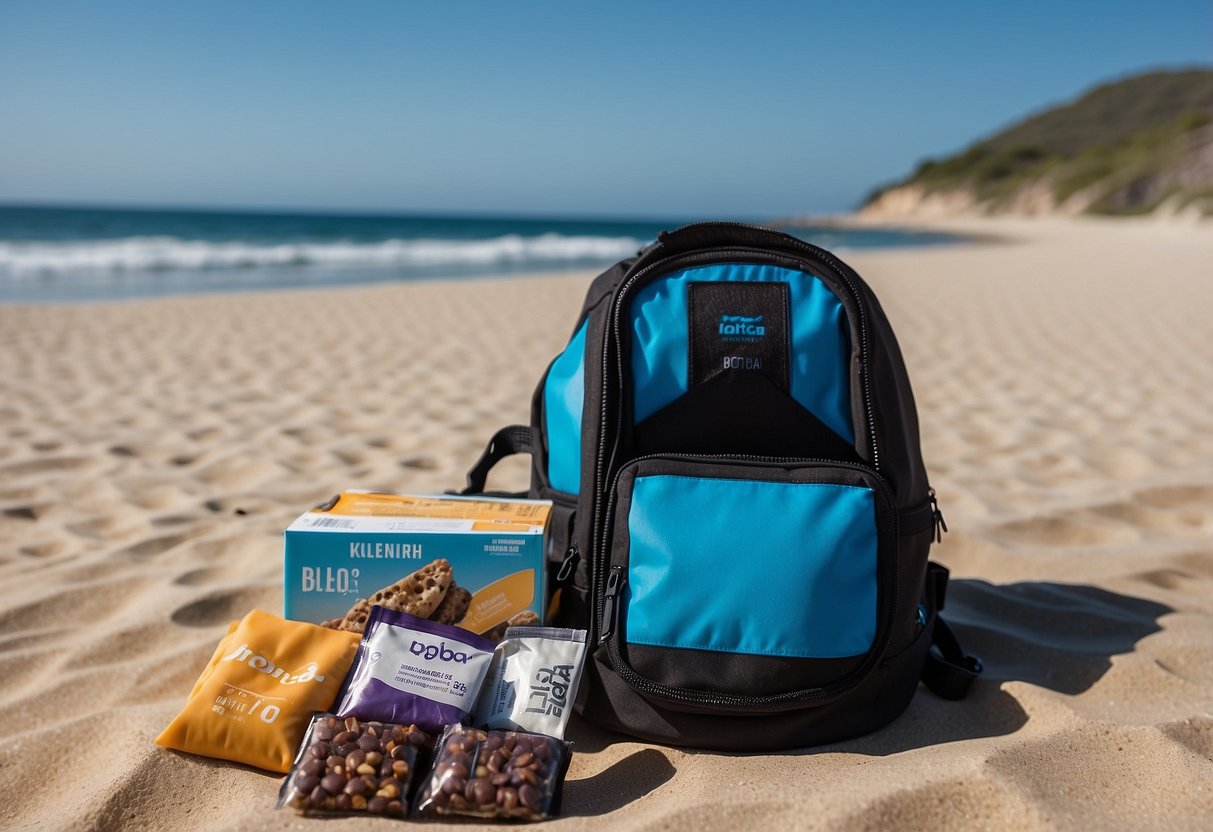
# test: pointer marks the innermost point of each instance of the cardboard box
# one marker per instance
(361, 541)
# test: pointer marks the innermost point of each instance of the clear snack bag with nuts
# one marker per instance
(495, 774)
(349, 766)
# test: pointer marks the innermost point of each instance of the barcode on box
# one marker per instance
(332, 523)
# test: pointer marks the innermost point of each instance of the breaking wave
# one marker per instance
(169, 254)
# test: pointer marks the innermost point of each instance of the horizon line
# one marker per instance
(361, 213)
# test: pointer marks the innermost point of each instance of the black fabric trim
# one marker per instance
(937, 576)
(739, 413)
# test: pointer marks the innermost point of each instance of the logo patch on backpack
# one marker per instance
(741, 328)
(737, 327)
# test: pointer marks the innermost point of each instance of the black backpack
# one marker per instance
(741, 512)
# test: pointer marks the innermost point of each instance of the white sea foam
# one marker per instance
(152, 254)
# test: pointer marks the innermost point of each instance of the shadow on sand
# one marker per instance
(1058, 636)
(618, 785)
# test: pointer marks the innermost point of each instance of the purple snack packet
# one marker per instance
(410, 670)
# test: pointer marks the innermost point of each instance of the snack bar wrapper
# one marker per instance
(495, 774)
(353, 767)
(412, 671)
(532, 682)
(253, 701)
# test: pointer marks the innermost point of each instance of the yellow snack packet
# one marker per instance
(255, 697)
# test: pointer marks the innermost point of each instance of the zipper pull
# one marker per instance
(571, 556)
(940, 525)
(614, 582)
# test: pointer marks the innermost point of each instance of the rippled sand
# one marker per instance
(151, 453)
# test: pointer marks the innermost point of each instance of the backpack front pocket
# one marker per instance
(746, 583)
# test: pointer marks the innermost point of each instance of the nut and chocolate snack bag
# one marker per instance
(495, 774)
(412, 671)
(532, 681)
(253, 701)
(350, 766)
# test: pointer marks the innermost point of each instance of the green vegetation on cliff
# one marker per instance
(1123, 147)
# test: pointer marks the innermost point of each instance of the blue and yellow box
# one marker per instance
(361, 541)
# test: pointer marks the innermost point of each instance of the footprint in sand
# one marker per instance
(202, 434)
(1165, 578)
(1195, 733)
(240, 507)
(1171, 511)
(1177, 496)
(53, 465)
(18, 493)
(92, 603)
(1193, 664)
(199, 577)
(152, 547)
(43, 550)
(158, 496)
(1079, 529)
(239, 472)
(420, 463)
(27, 512)
(1091, 759)
(105, 527)
(170, 520)
(349, 457)
(307, 434)
(219, 607)
(954, 805)
(126, 644)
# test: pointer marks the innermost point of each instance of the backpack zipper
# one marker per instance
(571, 556)
(937, 517)
(608, 601)
(613, 585)
(717, 255)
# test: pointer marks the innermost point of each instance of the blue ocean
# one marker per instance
(79, 254)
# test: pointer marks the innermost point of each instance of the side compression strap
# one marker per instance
(949, 672)
(515, 439)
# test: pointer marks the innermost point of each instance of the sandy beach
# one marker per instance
(152, 452)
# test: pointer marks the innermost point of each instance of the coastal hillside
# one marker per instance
(1138, 145)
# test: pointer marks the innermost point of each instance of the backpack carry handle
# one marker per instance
(515, 439)
(711, 234)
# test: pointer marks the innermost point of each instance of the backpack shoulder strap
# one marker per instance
(511, 440)
(949, 672)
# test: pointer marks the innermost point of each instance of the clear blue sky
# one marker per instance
(620, 108)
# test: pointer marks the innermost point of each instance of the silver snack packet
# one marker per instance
(532, 682)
